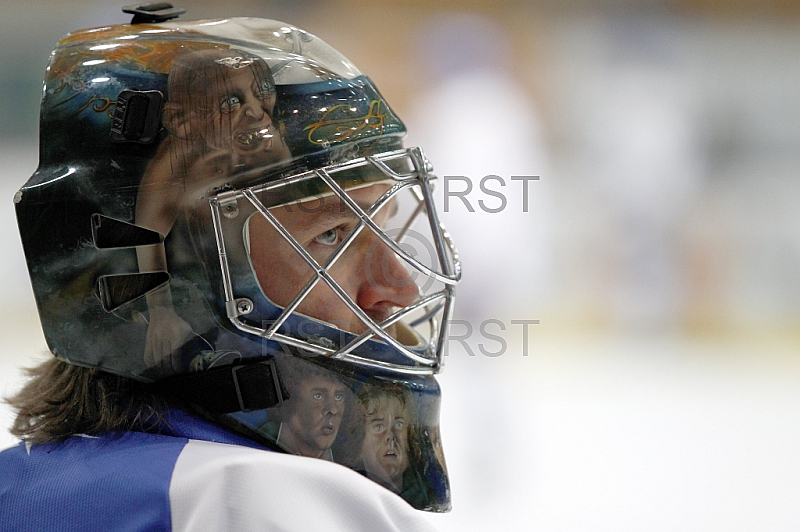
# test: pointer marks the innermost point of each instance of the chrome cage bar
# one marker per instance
(447, 256)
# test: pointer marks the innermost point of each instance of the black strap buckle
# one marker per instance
(153, 12)
(240, 388)
(250, 382)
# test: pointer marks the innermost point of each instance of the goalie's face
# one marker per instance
(367, 271)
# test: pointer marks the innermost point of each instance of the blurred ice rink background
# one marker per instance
(660, 249)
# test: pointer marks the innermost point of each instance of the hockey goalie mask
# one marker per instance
(225, 209)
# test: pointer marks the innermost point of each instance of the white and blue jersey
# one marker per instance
(200, 477)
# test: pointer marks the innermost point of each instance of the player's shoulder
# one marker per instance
(78, 482)
(220, 486)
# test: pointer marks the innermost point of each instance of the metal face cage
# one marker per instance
(402, 172)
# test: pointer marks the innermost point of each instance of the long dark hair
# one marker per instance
(61, 400)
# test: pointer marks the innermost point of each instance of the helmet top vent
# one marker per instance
(153, 12)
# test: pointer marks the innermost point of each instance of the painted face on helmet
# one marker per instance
(242, 119)
(385, 447)
(222, 104)
(318, 404)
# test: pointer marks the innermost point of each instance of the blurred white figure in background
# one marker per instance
(476, 120)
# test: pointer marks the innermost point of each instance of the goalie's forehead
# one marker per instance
(320, 198)
(314, 185)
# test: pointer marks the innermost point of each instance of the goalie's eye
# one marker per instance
(328, 238)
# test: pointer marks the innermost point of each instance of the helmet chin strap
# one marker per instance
(238, 388)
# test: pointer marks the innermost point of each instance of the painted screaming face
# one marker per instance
(241, 119)
(223, 102)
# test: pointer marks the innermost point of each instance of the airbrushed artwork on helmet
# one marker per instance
(220, 119)
(380, 430)
(233, 218)
(338, 123)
